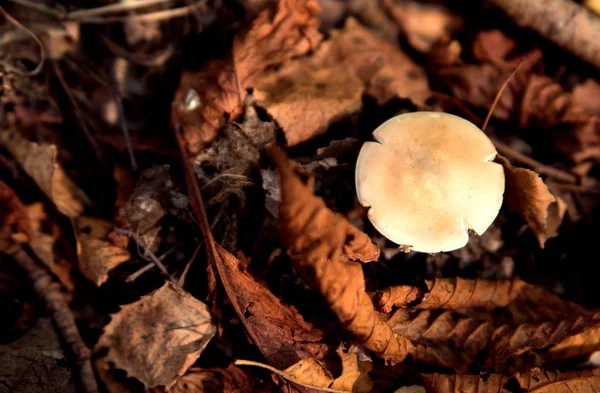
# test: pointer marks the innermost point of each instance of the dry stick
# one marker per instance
(13, 69)
(135, 275)
(49, 291)
(563, 22)
(148, 252)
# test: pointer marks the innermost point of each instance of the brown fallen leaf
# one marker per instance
(311, 374)
(498, 49)
(206, 100)
(533, 319)
(157, 338)
(305, 98)
(39, 162)
(278, 330)
(580, 345)
(423, 24)
(452, 294)
(14, 217)
(386, 71)
(526, 194)
(231, 379)
(587, 94)
(97, 256)
(536, 380)
(545, 103)
(322, 245)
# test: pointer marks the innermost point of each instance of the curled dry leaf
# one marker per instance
(386, 71)
(310, 373)
(423, 24)
(583, 344)
(231, 379)
(587, 94)
(207, 99)
(452, 294)
(97, 256)
(498, 49)
(157, 338)
(536, 380)
(305, 98)
(532, 319)
(39, 162)
(320, 244)
(527, 195)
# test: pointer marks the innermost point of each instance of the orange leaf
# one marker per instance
(207, 99)
(321, 244)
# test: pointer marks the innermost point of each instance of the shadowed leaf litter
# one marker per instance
(178, 193)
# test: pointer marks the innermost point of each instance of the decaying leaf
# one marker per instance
(452, 294)
(573, 347)
(532, 319)
(322, 245)
(411, 389)
(423, 24)
(157, 338)
(311, 374)
(587, 94)
(547, 104)
(536, 380)
(305, 98)
(526, 193)
(39, 162)
(14, 217)
(231, 379)
(207, 99)
(278, 330)
(386, 71)
(97, 256)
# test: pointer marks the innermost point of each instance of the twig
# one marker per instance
(49, 291)
(537, 166)
(148, 17)
(563, 22)
(135, 275)
(189, 264)
(114, 8)
(11, 68)
(148, 252)
(40, 7)
(122, 120)
(499, 94)
(576, 188)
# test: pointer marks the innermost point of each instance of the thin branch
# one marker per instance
(148, 17)
(114, 8)
(148, 252)
(135, 275)
(40, 7)
(499, 94)
(537, 166)
(49, 291)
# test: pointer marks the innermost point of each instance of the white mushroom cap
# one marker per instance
(428, 180)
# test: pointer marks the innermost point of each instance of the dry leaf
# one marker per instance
(97, 256)
(452, 294)
(587, 94)
(320, 244)
(533, 318)
(573, 347)
(547, 104)
(42, 245)
(206, 100)
(278, 330)
(496, 48)
(536, 380)
(39, 162)
(527, 194)
(305, 98)
(411, 389)
(231, 379)
(386, 71)
(311, 374)
(14, 217)
(157, 338)
(354, 378)
(423, 24)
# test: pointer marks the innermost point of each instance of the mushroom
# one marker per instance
(428, 179)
